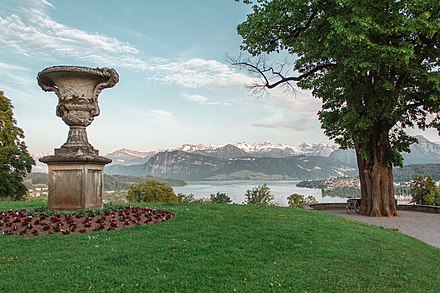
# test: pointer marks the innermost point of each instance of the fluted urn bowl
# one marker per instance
(77, 89)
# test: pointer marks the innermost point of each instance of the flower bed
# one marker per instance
(35, 222)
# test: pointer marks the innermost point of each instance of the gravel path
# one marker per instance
(423, 226)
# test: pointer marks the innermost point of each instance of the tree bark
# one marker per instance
(376, 178)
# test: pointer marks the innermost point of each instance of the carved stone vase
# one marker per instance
(76, 169)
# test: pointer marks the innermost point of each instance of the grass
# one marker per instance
(223, 248)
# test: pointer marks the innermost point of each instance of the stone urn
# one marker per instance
(76, 169)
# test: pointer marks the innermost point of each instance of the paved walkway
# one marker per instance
(423, 226)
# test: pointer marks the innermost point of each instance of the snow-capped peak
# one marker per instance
(262, 146)
(190, 148)
(126, 152)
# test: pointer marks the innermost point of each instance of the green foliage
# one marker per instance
(183, 198)
(298, 201)
(202, 201)
(111, 182)
(425, 192)
(122, 182)
(408, 173)
(374, 65)
(375, 69)
(15, 161)
(310, 200)
(259, 195)
(151, 191)
(295, 200)
(221, 198)
(38, 178)
(319, 183)
(342, 191)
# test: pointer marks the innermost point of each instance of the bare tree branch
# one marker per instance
(266, 73)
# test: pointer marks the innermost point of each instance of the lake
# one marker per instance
(237, 188)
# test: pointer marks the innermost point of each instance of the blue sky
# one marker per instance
(175, 85)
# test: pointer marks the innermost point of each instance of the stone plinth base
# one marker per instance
(75, 185)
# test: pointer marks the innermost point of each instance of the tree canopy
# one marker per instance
(151, 191)
(15, 161)
(374, 64)
(425, 192)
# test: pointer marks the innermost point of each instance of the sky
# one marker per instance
(175, 87)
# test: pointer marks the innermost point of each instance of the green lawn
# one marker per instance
(223, 248)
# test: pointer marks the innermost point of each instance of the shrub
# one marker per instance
(295, 200)
(221, 198)
(202, 200)
(183, 198)
(259, 195)
(310, 200)
(298, 201)
(151, 191)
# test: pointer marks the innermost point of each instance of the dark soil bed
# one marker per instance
(35, 222)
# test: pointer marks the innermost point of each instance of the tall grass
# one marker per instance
(223, 248)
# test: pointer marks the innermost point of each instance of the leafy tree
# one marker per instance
(425, 192)
(298, 201)
(151, 191)
(15, 161)
(295, 200)
(221, 198)
(259, 195)
(374, 64)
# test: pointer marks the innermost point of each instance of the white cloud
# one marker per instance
(203, 100)
(199, 73)
(161, 116)
(13, 67)
(18, 82)
(32, 32)
(196, 98)
(302, 124)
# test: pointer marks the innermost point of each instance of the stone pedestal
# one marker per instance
(75, 185)
(76, 169)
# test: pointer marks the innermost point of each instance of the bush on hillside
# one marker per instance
(259, 195)
(221, 198)
(183, 198)
(295, 200)
(298, 201)
(151, 191)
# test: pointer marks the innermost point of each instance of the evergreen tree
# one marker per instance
(15, 161)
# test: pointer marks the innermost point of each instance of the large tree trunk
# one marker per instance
(376, 178)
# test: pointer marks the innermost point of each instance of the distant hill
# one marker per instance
(228, 151)
(409, 172)
(129, 157)
(423, 152)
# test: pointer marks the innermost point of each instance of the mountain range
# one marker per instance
(229, 151)
(423, 152)
(255, 161)
(251, 161)
(192, 166)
